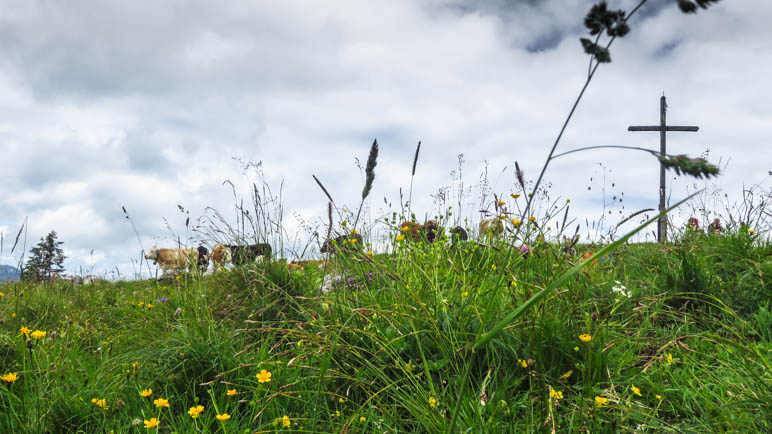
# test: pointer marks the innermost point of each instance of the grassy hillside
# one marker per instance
(653, 339)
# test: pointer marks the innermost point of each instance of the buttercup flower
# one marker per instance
(532, 218)
(38, 334)
(362, 419)
(522, 363)
(584, 337)
(601, 401)
(669, 358)
(432, 402)
(223, 417)
(557, 394)
(501, 203)
(9, 377)
(514, 195)
(195, 411)
(658, 397)
(146, 392)
(636, 391)
(161, 402)
(285, 421)
(231, 392)
(264, 376)
(400, 237)
(152, 423)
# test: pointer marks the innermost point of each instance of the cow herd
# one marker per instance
(174, 260)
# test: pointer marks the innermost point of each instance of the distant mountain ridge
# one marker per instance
(9, 274)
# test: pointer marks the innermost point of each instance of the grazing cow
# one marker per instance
(342, 243)
(221, 255)
(238, 254)
(491, 227)
(173, 260)
(429, 230)
(458, 233)
(203, 259)
(715, 227)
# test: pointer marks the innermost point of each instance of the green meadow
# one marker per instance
(651, 338)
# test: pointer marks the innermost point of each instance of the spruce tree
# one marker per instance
(45, 259)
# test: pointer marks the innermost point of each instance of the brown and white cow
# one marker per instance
(173, 260)
(239, 254)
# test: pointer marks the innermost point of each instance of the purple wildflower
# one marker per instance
(160, 300)
(525, 250)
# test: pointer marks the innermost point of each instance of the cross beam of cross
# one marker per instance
(662, 128)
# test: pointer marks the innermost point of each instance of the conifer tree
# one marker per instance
(45, 259)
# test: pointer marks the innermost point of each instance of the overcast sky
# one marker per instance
(114, 104)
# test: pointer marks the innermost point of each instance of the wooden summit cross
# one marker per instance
(662, 128)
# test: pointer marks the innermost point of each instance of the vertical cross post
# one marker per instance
(662, 128)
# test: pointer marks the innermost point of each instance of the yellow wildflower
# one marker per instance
(195, 411)
(669, 358)
(514, 283)
(658, 397)
(584, 337)
(522, 363)
(337, 413)
(516, 222)
(1, 294)
(751, 231)
(465, 293)
(285, 421)
(24, 331)
(557, 394)
(493, 267)
(400, 237)
(532, 218)
(341, 400)
(231, 392)
(13, 315)
(152, 423)
(38, 334)
(369, 253)
(514, 195)
(567, 374)
(179, 276)
(432, 402)
(141, 303)
(502, 217)
(501, 203)
(146, 392)
(362, 419)
(353, 231)
(405, 228)
(636, 391)
(161, 402)
(223, 417)
(263, 376)
(101, 403)
(601, 401)
(9, 377)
